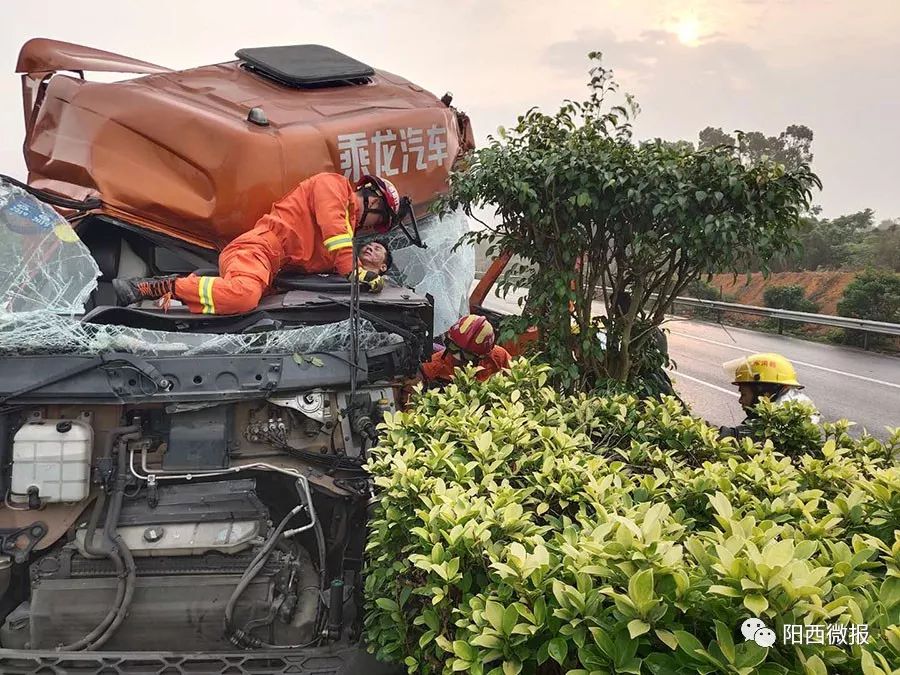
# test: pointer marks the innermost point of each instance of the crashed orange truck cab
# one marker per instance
(182, 488)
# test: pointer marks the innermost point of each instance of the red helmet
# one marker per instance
(473, 334)
(389, 195)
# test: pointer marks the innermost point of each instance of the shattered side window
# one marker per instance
(44, 266)
(435, 270)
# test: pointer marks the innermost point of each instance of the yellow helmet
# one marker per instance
(770, 368)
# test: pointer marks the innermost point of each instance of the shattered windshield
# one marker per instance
(48, 333)
(47, 275)
(44, 267)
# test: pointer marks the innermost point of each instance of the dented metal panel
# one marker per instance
(176, 152)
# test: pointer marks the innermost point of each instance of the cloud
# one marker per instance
(681, 89)
(847, 94)
(715, 60)
(758, 64)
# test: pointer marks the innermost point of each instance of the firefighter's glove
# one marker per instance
(369, 281)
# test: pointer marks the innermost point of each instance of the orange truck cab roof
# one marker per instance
(201, 154)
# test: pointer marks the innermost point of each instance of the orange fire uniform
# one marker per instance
(310, 229)
(441, 367)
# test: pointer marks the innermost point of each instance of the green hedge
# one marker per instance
(518, 530)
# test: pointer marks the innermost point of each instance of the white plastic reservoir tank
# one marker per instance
(53, 457)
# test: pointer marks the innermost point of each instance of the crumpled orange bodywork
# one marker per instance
(174, 151)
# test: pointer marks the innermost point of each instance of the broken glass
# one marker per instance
(47, 275)
(437, 270)
(48, 333)
(43, 264)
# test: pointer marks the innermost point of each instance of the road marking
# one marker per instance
(800, 363)
(894, 385)
(678, 374)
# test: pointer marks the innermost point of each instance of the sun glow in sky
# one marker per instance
(688, 31)
(757, 65)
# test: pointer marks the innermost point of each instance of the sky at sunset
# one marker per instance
(735, 64)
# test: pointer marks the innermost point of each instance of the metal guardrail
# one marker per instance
(782, 315)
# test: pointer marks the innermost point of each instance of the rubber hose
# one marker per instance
(115, 506)
(252, 570)
(125, 605)
(109, 529)
(125, 571)
(89, 534)
(110, 615)
(106, 545)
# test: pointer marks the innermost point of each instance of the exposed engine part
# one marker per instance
(271, 430)
(363, 412)
(277, 428)
(317, 410)
(335, 609)
(5, 572)
(291, 466)
(241, 637)
(68, 562)
(111, 545)
(314, 405)
(165, 611)
(199, 439)
(5, 453)
(179, 584)
(51, 461)
(183, 531)
(192, 519)
(20, 543)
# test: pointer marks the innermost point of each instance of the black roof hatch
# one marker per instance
(305, 65)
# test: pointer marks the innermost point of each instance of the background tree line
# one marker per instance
(853, 241)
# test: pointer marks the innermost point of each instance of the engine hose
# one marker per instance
(118, 544)
(112, 437)
(110, 615)
(111, 546)
(125, 605)
(320, 544)
(306, 498)
(90, 545)
(242, 638)
(236, 636)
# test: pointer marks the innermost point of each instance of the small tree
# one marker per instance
(588, 208)
(873, 295)
(788, 297)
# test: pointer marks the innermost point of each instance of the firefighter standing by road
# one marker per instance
(760, 376)
(311, 230)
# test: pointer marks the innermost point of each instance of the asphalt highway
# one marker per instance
(843, 382)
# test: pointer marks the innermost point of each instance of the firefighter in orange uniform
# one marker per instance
(311, 230)
(469, 341)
